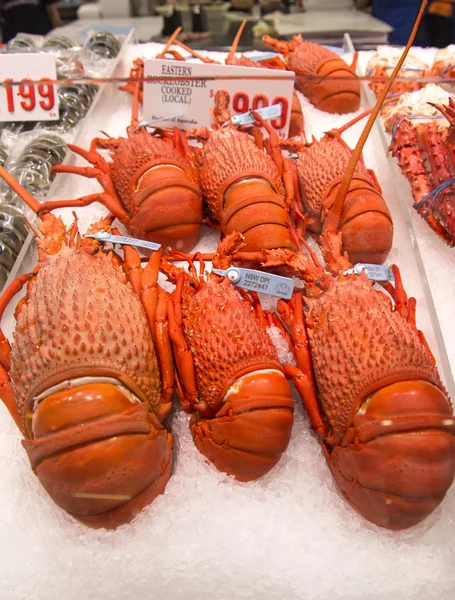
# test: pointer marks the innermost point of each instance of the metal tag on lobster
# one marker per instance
(103, 236)
(259, 281)
(374, 272)
(247, 118)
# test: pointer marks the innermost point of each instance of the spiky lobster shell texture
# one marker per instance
(318, 167)
(306, 60)
(358, 345)
(138, 153)
(81, 314)
(225, 339)
(230, 154)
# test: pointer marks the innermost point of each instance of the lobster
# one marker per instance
(366, 222)
(151, 185)
(421, 143)
(89, 378)
(369, 383)
(228, 376)
(322, 76)
(296, 124)
(384, 61)
(246, 189)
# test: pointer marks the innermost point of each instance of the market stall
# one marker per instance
(288, 534)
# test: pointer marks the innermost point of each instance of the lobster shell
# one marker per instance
(243, 189)
(366, 222)
(85, 383)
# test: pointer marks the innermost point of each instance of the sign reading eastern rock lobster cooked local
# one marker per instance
(183, 94)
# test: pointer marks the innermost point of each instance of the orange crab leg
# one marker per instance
(104, 199)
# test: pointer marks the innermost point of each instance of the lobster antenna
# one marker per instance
(334, 216)
(20, 190)
(204, 59)
(135, 107)
(236, 41)
(365, 113)
(171, 40)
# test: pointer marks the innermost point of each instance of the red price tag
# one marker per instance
(21, 99)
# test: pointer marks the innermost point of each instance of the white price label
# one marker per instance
(176, 88)
(28, 101)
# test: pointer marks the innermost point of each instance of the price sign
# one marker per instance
(193, 98)
(28, 101)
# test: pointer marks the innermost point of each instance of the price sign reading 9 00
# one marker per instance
(28, 93)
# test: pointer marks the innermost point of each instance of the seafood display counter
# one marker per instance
(290, 534)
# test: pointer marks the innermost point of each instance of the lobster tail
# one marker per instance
(255, 210)
(401, 461)
(338, 92)
(248, 435)
(101, 458)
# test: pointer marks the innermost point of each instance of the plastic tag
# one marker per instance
(103, 236)
(268, 112)
(262, 56)
(259, 281)
(374, 272)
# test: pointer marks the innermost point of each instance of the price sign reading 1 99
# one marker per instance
(28, 93)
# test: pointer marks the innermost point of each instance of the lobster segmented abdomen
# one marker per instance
(402, 462)
(250, 432)
(160, 190)
(325, 79)
(243, 189)
(100, 457)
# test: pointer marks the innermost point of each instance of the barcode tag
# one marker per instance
(374, 272)
(103, 236)
(268, 112)
(259, 281)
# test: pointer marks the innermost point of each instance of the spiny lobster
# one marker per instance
(369, 383)
(322, 76)
(90, 376)
(229, 377)
(151, 185)
(247, 189)
(365, 222)
(421, 143)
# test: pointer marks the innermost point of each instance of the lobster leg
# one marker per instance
(105, 199)
(182, 353)
(302, 374)
(6, 393)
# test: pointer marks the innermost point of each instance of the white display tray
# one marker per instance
(287, 536)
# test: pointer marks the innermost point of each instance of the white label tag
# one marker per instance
(259, 281)
(266, 113)
(28, 101)
(194, 96)
(374, 272)
(103, 236)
